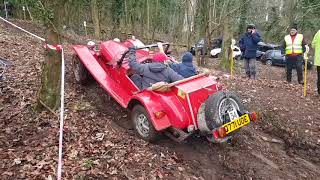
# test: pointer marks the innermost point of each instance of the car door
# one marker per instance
(278, 58)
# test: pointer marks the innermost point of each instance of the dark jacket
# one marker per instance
(284, 45)
(186, 68)
(249, 44)
(152, 72)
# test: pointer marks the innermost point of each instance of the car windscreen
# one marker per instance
(277, 54)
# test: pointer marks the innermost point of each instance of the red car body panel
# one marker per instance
(114, 79)
(97, 69)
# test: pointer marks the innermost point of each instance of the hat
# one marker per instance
(116, 39)
(187, 57)
(160, 57)
(294, 26)
(251, 26)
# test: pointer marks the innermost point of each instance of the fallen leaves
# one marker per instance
(94, 147)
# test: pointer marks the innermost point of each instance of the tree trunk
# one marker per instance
(126, 17)
(49, 93)
(204, 11)
(95, 18)
(155, 21)
(244, 7)
(292, 11)
(227, 38)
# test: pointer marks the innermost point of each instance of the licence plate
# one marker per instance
(237, 123)
(233, 114)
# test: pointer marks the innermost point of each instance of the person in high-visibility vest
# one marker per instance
(316, 46)
(293, 47)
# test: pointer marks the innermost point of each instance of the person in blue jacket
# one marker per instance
(248, 46)
(151, 73)
(186, 68)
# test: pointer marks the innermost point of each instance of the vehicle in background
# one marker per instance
(264, 47)
(199, 46)
(236, 52)
(276, 58)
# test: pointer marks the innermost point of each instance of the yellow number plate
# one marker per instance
(237, 123)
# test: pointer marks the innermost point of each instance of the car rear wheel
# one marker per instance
(81, 74)
(269, 62)
(142, 124)
(217, 107)
(216, 112)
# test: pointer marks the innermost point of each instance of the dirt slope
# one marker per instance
(100, 142)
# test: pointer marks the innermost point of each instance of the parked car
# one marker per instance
(276, 58)
(195, 105)
(236, 52)
(264, 47)
(198, 47)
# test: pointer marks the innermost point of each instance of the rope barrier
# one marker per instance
(38, 37)
(57, 48)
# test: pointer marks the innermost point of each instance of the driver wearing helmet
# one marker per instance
(116, 40)
(151, 73)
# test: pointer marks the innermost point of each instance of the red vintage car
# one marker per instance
(193, 105)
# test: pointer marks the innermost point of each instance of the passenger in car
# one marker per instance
(186, 68)
(151, 73)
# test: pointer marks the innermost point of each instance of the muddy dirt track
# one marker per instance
(100, 142)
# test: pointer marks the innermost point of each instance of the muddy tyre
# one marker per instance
(217, 107)
(81, 74)
(143, 125)
(269, 62)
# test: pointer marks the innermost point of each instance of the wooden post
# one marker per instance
(85, 28)
(233, 42)
(5, 9)
(305, 57)
(24, 12)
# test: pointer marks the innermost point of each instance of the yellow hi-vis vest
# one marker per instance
(294, 47)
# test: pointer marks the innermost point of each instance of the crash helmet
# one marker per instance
(116, 40)
(91, 44)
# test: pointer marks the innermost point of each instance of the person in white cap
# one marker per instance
(116, 40)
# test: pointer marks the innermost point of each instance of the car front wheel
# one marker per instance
(81, 74)
(269, 62)
(143, 125)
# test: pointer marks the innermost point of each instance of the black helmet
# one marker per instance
(251, 26)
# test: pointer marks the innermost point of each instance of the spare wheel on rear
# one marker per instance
(214, 112)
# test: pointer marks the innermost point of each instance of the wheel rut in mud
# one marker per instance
(254, 152)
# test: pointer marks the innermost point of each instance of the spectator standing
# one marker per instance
(249, 45)
(316, 46)
(293, 46)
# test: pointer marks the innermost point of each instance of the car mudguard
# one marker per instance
(101, 76)
(152, 105)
